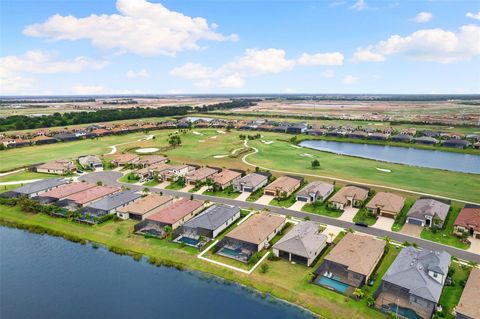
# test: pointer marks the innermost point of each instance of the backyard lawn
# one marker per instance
(402, 217)
(226, 193)
(451, 294)
(321, 209)
(24, 176)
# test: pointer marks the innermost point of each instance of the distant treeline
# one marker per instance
(22, 122)
(32, 101)
(386, 98)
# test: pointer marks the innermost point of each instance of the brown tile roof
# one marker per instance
(151, 159)
(285, 183)
(67, 190)
(92, 194)
(225, 176)
(176, 211)
(145, 204)
(257, 228)
(468, 304)
(349, 191)
(58, 165)
(201, 173)
(469, 217)
(42, 138)
(358, 252)
(125, 158)
(387, 201)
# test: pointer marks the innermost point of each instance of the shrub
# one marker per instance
(272, 257)
(264, 268)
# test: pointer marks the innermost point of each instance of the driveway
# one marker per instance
(187, 188)
(243, 196)
(384, 223)
(265, 199)
(331, 232)
(201, 190)
(475, 246)
(348, 214)
(163, 184)
(297, 205)
(412, 230)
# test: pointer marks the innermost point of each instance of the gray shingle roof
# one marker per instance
(430, 207)
(303, 240)
(40, 186)
(213, 217)
(252, 180)
(315, 187)
(115, 200)
(410, 271)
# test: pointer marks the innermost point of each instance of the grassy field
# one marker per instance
(24, 176)
(283, 280)
(402, 217)
(451, 294)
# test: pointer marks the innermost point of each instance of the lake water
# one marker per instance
(402, 155)
(48, 277)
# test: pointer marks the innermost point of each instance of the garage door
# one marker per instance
(247, 189)
(414, 222)
(389, 215)
(269, 193)
(302, 199)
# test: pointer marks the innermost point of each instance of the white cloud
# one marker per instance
(254, 62)
(328, 74)
(436, 45)
(337, 3)
(13, 68)
(141, 27)
(472, 15)
(81, 89)
(334, 58)
(143, 73)
(359, 5)
(423, 17)
(350, 79)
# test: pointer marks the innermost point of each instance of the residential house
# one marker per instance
(428, 212)
(144, 207)
(149, 160)
(349, 196)
(36, 188)
(63, 191)
(42, 140)
(468, 307)
(200, 175)
(251, 236)
(357, 134)
(125, 159)
(209, 224)
(8, 142)
(302, 244)
(283, 187)
(60, 167)
(351, 262)
(315, 191)
(456, 143)
(110, 204)
(173, 216)
(426, 140)
(297, 128)
(65, 137)
(250, 183)
(175, 172)
(386, 204)
(402, 138)
(378, 136)
(90, 162)
(414, 281)
(431, 134)
(86, 197)
(100, 132)
(468, 221)
(225, 178)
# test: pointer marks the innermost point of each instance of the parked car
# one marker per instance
(361, 224)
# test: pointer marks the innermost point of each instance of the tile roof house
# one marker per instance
(428, 212)
(57, 167)
(42, 139)
(468, 220)
(89, 195)
(251, 236)
(64, 191)
(90, 161)
(283, 187)
(353, 259)
(148, 160)
(349, 196)
(110, 203)
(173, 215)
(386, 204)
(456, 143)
(468, 307)
(36, 188)
(415, 280)
(225, 178)
(209, 223)
(315, 191)
(302, 244)
(125, 159)
(426, 140)
(143, 207)
(250, 182)
(402, 138)
(200, 175)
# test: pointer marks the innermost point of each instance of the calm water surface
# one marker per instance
(458, 162)
(48, 277)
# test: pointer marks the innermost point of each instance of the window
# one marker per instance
(435, 275)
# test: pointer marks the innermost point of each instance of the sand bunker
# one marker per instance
(383, 170)
(197, 133)
(219, 156)
(213, 136)
(201, 141)
(147, 150)
(294, 146)
(220, 132)
(267, 142)
(306, 155)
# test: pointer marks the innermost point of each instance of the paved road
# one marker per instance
(110, 178)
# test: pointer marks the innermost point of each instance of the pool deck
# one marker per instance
(385, 298)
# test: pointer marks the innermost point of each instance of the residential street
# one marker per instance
(110, 178)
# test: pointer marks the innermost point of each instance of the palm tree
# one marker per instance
(358, 293)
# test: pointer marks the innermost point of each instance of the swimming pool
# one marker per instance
(404, 312)
(230, 252)
(188, 241)
(332, 283)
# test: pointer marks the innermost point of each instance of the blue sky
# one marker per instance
(221, 46)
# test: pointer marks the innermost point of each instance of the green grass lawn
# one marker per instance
(130, 178)
(25, 175)
(382, 268)
(451, 294)
(402, 217)
(175, 186)
(255, 196)
(445, 235)
(280, 156)
(321, 209)
(151, 183)
(225, 193)
(284, 202)
(363, 216)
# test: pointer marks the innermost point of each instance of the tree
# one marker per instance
(315, 163)
(358, 293)
(264, 268)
